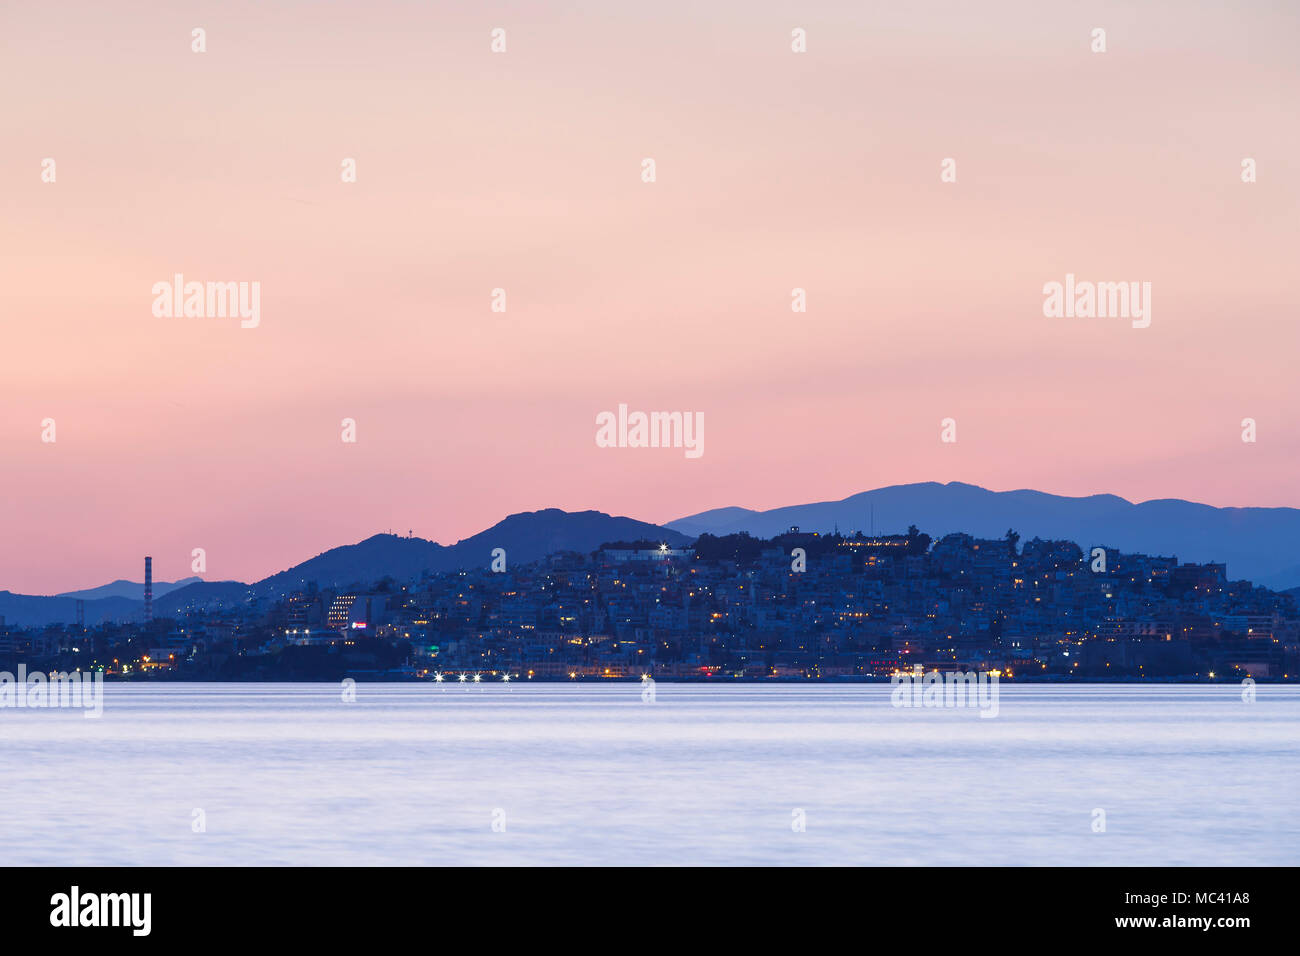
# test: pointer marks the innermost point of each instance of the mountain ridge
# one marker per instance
(127, 589)
(1261, 544)
(526, 536)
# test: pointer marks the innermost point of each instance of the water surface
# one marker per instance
(704, 774)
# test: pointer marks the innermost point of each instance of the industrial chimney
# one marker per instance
(148, 589)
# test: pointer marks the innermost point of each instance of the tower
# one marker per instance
(148, 589)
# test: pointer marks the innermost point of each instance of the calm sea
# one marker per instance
(591, 774)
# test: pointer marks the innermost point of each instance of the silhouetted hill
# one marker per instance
(128, 589)
(528, 536)
(532, 535)
(35, 610)
(203, 596)
(1261, 544)
(709, 521)
(381, 555)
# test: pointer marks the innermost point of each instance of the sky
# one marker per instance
(523, 171)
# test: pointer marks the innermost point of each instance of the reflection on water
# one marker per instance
(582, 774)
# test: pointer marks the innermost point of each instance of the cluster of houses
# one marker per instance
(801, 605)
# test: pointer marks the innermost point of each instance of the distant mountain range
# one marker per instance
(33, 609)
(1260, 544)
(119, 601)
(128, 589)
(525, 537)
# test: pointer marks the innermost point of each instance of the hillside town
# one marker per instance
(800, 606)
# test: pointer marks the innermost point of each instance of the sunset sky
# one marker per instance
(522, 171)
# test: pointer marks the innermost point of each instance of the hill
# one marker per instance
(1261, 544)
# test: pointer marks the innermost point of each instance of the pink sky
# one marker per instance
(522, 171)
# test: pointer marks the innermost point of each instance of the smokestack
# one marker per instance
(148, 589)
